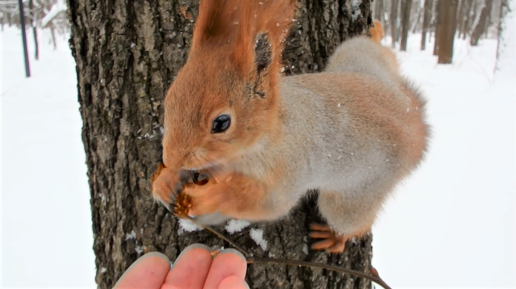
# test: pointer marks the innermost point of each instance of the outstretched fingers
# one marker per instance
(190, 269)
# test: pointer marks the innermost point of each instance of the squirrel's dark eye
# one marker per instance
(221, 123)
(200, 179)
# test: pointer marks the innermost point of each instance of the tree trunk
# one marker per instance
(482, 23)
(426, 21)
(405, 23)
(381, 15)
(470, 19)
(127, 54)
(394, 22)
(464, 14)
(505, 60)
(417, 21)
(378, 10)
(447, 32)
(53, 33)
(485, 33)
(438, 23)
(459, 15)
(34, 31)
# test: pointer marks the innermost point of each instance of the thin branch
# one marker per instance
(257, 260)
(208, 228)
(378, 280)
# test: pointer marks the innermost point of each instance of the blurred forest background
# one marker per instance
(440, 19)
(38, 14)
(457, 208)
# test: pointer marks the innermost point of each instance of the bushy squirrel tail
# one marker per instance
(376, 31)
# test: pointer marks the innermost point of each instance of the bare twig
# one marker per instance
(208, 228)
(258, 260)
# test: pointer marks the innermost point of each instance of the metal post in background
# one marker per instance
(24, 39)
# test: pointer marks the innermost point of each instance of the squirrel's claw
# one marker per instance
(332, 243)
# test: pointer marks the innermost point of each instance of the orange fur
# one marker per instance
(376, 31)
(363, 111)
(222, 58)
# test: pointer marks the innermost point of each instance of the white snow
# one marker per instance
(186, 225)
(130, 236)
(46, 217)
(451, 224)
(257, 236)
(57, 8)
(235, 226)
(305, 249)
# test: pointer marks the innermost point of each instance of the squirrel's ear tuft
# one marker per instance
(263, 53)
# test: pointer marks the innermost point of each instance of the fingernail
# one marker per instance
(146, 256)
(157, 254)
(191, 247)
(232, 251)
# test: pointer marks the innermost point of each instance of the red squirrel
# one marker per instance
(352, 132)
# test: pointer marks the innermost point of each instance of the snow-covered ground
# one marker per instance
(452, 224)
(47, 236)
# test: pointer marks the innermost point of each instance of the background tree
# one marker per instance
(505, 60)
(447, 30)
(482, 23)
(127, 55)
(438, 11)
(427, 15)
(406, 5)
(394, 21)
(379, 13)
(34, 31)
(464, 16)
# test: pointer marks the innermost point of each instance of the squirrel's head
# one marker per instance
(224, 102)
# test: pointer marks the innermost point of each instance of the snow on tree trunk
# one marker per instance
(127, 54)
(506, 52)
(481, 23)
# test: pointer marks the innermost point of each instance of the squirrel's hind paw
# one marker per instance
(332, 243)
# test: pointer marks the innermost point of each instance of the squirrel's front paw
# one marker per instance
(164, 184)
(332, 243)
(207, 197)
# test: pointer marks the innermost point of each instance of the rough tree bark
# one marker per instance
(127, 54)
(482, 23)
(426, 21)
(394, 21)
(406, 5)
(447, 32)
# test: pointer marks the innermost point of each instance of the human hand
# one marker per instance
(193, 269)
